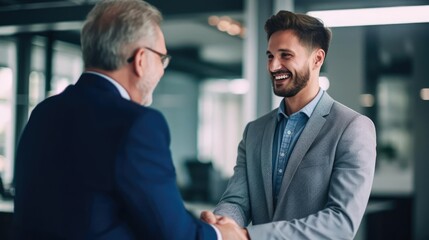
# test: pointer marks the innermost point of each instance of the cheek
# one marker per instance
(302, 66)
(154, 80)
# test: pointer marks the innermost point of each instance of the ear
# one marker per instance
(319, 58)
(139, 62)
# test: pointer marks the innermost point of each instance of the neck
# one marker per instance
(297, 102)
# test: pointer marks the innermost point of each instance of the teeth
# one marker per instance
(282, 76)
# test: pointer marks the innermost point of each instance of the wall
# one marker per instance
(344, 66)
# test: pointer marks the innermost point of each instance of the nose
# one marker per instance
(274, 64)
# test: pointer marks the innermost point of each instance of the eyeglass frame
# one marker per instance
(165, 58)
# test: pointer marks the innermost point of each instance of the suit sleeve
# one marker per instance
(235, 201)
(348, 194)
(146, 182)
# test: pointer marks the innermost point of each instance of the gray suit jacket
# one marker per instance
(326, 185)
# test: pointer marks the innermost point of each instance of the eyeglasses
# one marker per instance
(165, 58)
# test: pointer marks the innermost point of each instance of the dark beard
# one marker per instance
(299, 82)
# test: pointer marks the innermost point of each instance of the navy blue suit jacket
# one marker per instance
(93, 165)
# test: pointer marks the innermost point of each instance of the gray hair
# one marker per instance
(113, 30)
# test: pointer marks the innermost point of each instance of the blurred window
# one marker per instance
(6, 123)
(221, 122)
(7, 108)
(67, 66)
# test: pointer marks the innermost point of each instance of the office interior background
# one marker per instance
(217, 82)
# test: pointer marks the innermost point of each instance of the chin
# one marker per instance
(286, 93)
(147, 101)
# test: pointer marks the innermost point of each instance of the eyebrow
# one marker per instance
(279, 50)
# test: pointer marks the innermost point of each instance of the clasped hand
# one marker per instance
(228, 227)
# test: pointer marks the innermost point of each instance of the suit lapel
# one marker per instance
(309, 134)
(266, 161)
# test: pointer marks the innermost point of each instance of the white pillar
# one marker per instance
(420, 121)
(258, 100)
(281, 5)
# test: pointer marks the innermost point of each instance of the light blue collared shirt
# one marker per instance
(287, 133)
(121, 89)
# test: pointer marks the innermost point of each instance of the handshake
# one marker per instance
(228, 228)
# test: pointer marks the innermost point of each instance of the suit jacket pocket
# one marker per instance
(313, 162)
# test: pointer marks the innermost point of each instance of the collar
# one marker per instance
(118, 86)
(307, 109)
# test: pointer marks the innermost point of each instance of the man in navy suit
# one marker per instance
(92, 163)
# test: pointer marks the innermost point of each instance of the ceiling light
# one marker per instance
(367, 100)
(424, 94)
(373, 16)
(324, 82)
(227, 24)
(238, 86)
(213, 20)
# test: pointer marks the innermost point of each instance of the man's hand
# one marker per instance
(209, 217)
(232, 231)
(227, 226)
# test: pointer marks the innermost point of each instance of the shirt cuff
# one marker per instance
(218, 234)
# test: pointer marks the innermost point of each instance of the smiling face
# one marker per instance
(289, 63)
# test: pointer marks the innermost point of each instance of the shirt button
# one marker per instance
(282, 154)
(280, 170)
(289, 132)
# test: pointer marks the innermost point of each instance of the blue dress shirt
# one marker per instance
(287, 133)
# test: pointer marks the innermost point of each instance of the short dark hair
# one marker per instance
(308, 29)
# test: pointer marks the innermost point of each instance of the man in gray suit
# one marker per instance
(304, 170)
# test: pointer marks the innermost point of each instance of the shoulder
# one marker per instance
(270, 116)
(345, 113)
(150, 115)
(52, 107)
(338, 116)
(129, 112)
(343, 118)
(149, 122)
(336, 111)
